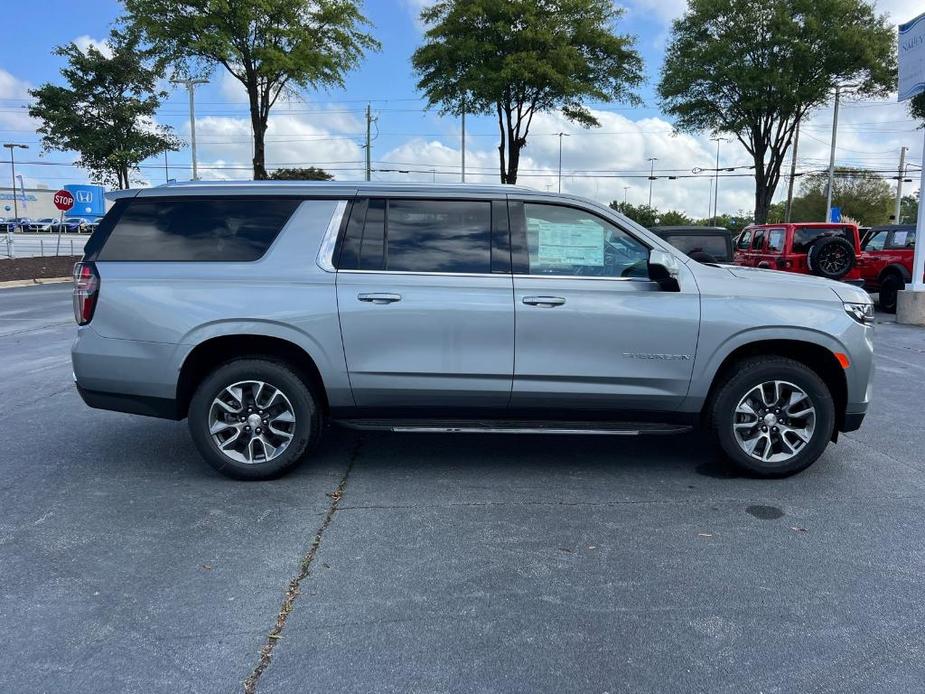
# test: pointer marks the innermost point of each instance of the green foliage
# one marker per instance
(862, 195)
(673, 218)
(733, 222)
(909, 209)
(917, 107)
(269, 46)
(515, 58)
(754, 69)
(641, 214)
(105, 112)
(311, 173)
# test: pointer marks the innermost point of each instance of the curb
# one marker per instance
(34, 282)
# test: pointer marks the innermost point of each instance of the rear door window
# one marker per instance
(419, 236)
(758, 240)
(902, 240)
(776, 240)
(196, 229)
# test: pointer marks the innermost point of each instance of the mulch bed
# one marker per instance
(37, 268)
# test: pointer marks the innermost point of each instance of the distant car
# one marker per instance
(91, 225)
(45, 224)
(829, 250)
(70, 225)
(703, 244)
(888, 252)
(15, 224)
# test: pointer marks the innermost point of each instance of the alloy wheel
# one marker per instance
(251, 422)
(774, 421)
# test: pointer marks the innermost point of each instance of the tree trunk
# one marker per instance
(260, 171)
(513, 161)
(501, 148)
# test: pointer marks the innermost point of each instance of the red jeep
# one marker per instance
(829, 250)
(888, 252)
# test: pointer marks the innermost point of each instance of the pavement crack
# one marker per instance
(294, 588)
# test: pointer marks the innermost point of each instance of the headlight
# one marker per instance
(862, 313)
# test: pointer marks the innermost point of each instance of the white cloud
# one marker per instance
(84, 42)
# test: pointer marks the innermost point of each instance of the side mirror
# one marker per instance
(664, 269)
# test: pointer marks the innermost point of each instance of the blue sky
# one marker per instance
(326, 128)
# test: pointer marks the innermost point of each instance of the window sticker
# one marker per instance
(580, 243)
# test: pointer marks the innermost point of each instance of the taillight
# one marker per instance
(86, 291)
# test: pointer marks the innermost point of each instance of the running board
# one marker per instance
(520, 427)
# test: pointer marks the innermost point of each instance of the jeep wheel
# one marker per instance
(253, 419)
(831, 257)
(773, 417)
(889, 288)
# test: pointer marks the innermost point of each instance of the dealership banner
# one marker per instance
(912, 58)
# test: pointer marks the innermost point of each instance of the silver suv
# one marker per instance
(264, 311)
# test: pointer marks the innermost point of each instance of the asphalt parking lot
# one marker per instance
(444, 564)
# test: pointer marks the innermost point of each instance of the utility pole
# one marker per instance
(462, 148)
(828, 192)
(190, 85)
(625, 188)
(793, 173)
(899, 184)
(561, 135)
(652, 161)
(369, 122)
(718, 140)
(12, 146)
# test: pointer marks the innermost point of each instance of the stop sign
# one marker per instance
(64, 200)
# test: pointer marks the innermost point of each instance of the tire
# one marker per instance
(742, 383)
(889, 288)
(236, 381)
(831, 257)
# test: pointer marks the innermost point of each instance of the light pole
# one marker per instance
(828, 194)
(561, 135)
(12, 146)
(718, 140)
(625, 188)
(652, 161)
(190, 85)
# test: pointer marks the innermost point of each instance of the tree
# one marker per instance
(515, 58)
(862, 195)
(755, 69)
(269, 46)
(674, 218)
(909, 209)
(917, 107)
(106, 111)
(312, 173)
(643, 215)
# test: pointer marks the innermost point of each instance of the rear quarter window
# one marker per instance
(185, 229)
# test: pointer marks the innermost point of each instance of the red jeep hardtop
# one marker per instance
(831, 250)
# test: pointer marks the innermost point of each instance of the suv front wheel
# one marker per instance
(773, 417)
(253, 419)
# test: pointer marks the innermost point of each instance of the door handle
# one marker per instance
(379, 298)
(545, 301)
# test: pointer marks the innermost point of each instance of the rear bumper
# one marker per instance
(164, 408)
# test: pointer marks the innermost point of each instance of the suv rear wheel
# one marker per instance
(773, 417)
(253, 419)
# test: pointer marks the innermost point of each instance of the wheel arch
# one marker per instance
(819, 358)
(210, 353)
(896, 269)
